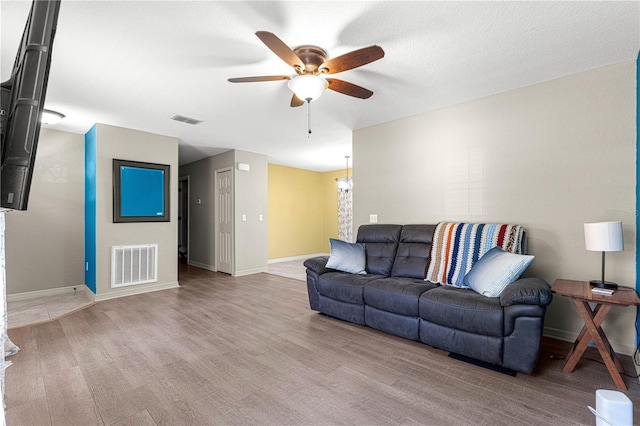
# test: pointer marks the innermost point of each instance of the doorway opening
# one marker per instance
(183, 219)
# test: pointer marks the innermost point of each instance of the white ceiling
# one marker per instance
(135, 64)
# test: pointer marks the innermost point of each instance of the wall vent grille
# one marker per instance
(135, 264)
(183, 119)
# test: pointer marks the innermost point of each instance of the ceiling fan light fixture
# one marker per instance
(51, 117)
(308, 87)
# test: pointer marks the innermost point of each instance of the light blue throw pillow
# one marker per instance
(347, 257)
(495, 270)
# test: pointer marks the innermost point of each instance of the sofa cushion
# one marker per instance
(495, 270)
(347, 257)
(462, 309)
(413, 251)
(344, 287)
(381, 245)
(397, 295)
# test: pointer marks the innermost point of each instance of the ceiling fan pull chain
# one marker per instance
(309, 117)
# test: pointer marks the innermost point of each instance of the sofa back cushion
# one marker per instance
(413, 251)
(381, 243)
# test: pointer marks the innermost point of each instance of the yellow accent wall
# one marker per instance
(302, 211)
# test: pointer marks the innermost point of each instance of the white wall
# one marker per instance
(125, 144)
(45, 243)
(549, 156)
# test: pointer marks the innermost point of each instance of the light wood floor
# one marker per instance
(45, 308)
(248, 350)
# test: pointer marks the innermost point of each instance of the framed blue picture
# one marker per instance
(140, 192)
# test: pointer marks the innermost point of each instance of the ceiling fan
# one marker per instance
(310, 63)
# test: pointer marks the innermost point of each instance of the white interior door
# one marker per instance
(224, 221)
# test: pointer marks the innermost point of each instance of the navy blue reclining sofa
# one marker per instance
(393, 297)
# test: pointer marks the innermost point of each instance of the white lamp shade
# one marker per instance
(603, 236)
(308, 87)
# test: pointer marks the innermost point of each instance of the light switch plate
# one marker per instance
(373, 218)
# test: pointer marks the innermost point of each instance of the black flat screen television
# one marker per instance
(21, 104)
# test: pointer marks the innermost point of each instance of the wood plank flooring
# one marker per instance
(248, 350)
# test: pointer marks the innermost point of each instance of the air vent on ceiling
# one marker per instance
(183, 119)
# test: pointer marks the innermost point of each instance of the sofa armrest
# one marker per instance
(318, 264)
(527, 291)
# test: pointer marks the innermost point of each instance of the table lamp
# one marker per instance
(603, 236)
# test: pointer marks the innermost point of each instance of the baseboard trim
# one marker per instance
(202, 266)
(568, 336)
(89, 293)
(301, 257)
(250, 271)
(556, 333)
(44, 293)
(133, 290)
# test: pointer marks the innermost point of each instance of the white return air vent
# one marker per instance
(131, 265)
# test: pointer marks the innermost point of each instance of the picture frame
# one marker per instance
(141, 191)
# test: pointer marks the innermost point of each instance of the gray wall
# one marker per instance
(549, 156)
(250, 199)
(125, 144)
(250, 196)
(45, 243)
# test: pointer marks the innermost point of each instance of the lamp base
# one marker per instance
(603, 284)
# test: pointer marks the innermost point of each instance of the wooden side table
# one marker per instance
(580, 293)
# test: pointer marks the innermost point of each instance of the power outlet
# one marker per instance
(373, 218)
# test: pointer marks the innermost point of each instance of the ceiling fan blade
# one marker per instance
(296, 101)
(280, 48)
(350, 89)
(262, 78)
(351, 60)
